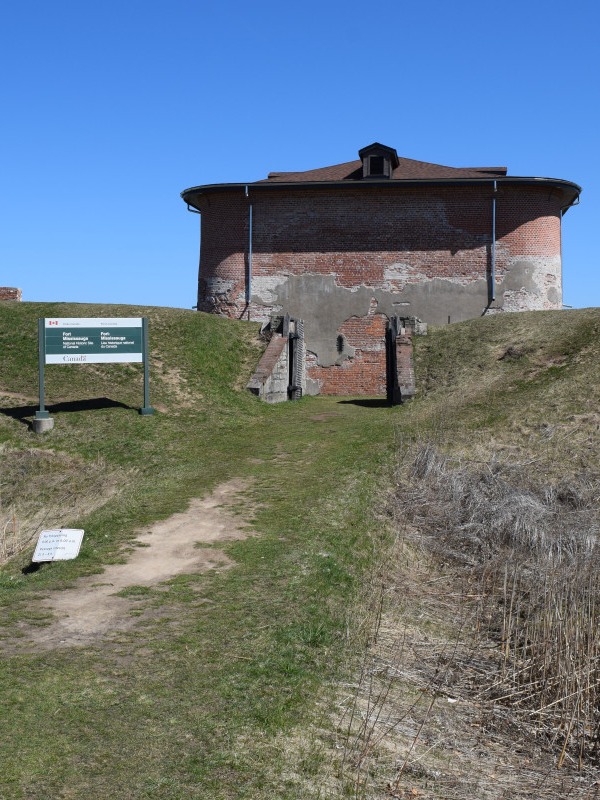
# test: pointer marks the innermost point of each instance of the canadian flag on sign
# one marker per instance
(52, 322)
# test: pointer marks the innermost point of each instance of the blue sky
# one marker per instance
(109, 110)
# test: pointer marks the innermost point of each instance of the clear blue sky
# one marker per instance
(110, 109)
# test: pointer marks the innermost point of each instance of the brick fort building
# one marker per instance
(345, 248)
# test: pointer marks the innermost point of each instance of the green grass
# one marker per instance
(522, 385)
(194, 701)
(225, 686)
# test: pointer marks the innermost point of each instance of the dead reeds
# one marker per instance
(529, 555)
(10, 534)
(42, 488)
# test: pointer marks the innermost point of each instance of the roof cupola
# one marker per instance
(378, 161)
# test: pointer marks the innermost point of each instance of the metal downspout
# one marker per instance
(195, 211)
(574, 202)
(249, 281)
(493, 266)
(562, 303)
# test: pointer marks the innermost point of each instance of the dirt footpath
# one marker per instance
(171, 547)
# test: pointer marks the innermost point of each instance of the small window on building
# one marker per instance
(377, 165)
(378, 161)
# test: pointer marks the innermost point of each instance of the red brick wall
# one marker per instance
(528, 223)
(363, 374)
(442, 232)
(223, 254)
(360, 236)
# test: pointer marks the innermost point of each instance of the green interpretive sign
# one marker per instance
(90, 340)
(93, 341)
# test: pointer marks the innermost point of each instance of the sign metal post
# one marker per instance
(146, 408)
(41, 413)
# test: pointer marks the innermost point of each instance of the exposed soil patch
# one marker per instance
(171, 547)
(26, 398)
(176, 385)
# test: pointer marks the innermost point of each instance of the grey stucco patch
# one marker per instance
(533, 282)
(264, 288)
(437, 300)
(324, 305)
(554, 296)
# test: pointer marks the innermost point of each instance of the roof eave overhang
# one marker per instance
(192, 195)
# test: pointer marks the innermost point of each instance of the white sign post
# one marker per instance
(58, 545)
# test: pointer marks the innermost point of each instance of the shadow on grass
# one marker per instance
(32, 567)
(367, 402)
(23, 413)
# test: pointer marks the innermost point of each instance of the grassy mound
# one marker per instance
(247, 682)
(99, 446)
(199, 698)
(526, 385)
(481, 677)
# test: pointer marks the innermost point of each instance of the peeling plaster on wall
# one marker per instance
(395, 276)
(516, 300)
(325, 306)
(419, 276)
(399, 275)
(216, 294)
(264, 296)
(532, 279)
(522, 288)
(434, 300)
(313, 386)
(264, 288)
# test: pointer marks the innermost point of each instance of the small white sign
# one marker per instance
(58, 545)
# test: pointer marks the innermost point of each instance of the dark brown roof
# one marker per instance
(351, 175)
(407, 169)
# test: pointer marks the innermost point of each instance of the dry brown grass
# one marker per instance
(482, 674)
(480, 678)
(44, 489)
(533, 557)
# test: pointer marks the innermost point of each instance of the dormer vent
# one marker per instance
(378, 161)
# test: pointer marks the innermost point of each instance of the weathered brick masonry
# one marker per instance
(9, 293)
(344, 250)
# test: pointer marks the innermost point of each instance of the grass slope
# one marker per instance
(526, 385)
(225, 691)
(481, 673)
(193, 702)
